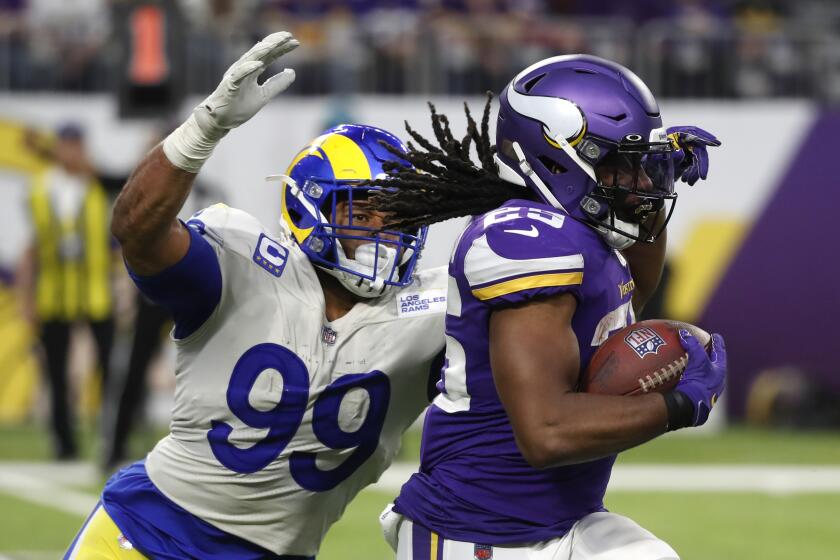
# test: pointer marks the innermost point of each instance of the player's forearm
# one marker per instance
(583, 427)
(144, 216)
(145, 213)
(646, 261)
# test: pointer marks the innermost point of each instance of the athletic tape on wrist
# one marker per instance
(189, 145)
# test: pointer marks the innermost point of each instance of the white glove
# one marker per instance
(237, 98)
(390, 522)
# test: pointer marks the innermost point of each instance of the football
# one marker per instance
(641, 358)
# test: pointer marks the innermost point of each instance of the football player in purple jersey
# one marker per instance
(566, 246)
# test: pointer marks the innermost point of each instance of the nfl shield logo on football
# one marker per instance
(644, 341)
(483, 552)
(328, 336)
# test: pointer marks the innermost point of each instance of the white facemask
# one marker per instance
(381, 266)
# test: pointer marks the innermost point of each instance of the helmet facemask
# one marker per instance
(333, 214)
(634, 182)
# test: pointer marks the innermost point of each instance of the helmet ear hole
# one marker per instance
(529, 85)
(506, 149)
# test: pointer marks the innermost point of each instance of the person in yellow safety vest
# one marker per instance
(66, 273)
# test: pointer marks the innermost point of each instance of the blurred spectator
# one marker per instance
(216, 28)
(66, 43)
(395, 42)
(13, 52)
(344, 54)
(684, 48)
(693, 53)
(65, 275)
(130, 395)
(767, 63)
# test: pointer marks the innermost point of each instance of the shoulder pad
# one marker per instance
(230, 228)
(430, 278)
(520, 248)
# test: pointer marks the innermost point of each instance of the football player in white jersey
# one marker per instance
(302, 357)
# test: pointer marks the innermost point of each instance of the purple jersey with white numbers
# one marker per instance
(474, 485)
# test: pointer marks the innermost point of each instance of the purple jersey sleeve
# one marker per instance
(519, 253)
(191, 288)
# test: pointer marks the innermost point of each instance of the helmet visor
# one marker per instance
(636, 179)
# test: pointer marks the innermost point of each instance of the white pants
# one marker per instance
(598, 536)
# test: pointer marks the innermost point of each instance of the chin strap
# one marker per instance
(608, 225)
(366, 262)
(618, 240)
(509, 174)
(357, 285)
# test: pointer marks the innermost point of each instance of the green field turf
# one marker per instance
(735, 445)
(699, 525)
(29, 527)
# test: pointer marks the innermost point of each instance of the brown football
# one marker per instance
(641, 358)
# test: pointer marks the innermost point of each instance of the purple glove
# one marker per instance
(704, 377)
(691, 160)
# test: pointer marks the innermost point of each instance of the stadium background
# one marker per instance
(750, 250)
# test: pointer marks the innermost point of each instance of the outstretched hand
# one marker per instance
(239, 97)
(691, 157)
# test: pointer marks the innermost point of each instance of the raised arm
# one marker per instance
(144, 220)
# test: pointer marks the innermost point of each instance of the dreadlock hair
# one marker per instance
(442, 182)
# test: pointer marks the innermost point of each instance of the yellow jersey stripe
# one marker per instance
(433, 546)
(71, 288)
(97, 256)
(528, 282)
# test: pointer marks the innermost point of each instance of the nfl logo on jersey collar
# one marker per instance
(328, 336)
(644, 341)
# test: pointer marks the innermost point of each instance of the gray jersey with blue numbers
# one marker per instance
(280, 416)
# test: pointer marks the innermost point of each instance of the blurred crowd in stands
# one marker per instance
(683, 48)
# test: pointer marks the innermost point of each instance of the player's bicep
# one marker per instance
(535, 359)
(190, 289)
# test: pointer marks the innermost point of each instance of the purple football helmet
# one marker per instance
(586, 135)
